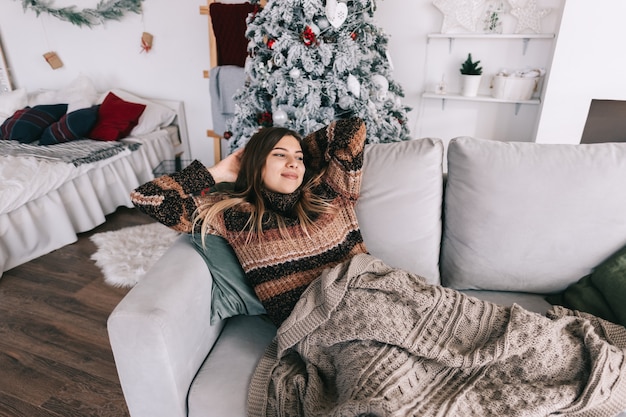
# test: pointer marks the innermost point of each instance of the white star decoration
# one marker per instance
(528, 15)
(459, 14)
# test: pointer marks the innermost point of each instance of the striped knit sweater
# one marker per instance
(278, 267)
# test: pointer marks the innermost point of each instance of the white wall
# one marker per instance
(589, 63)
(110, 55)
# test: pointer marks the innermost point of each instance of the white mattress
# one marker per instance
(75, 200)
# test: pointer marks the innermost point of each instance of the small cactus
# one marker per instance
(468, 67)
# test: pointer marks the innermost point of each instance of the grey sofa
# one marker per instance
(514, 221)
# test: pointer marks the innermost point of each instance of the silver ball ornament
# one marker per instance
(294, 73)
(315, 29)
(280, 117)
(323, 23)
(345, 102)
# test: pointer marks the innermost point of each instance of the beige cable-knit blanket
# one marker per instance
(369, 340)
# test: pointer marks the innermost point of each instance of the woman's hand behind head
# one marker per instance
(227, 169)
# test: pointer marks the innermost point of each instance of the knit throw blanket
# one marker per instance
(76, 152)
(369, 340)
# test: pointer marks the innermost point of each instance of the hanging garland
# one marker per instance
(105, 10)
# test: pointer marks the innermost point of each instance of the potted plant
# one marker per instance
(471, 74)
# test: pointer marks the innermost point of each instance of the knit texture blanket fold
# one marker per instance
(369, 340)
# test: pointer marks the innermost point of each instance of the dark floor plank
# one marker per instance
(15, 407)
(22, 378)
(55, 357)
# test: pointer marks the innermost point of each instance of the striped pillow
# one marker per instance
(72, 126)
(27, 125)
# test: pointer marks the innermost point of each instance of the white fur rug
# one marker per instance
(125, 255)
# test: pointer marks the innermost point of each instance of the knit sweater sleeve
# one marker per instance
(171, 199)
(339, 148)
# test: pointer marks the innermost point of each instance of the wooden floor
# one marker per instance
(55, 357)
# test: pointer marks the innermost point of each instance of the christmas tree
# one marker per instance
(314, 61)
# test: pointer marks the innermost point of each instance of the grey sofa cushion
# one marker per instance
(399, 209)
(530, 217)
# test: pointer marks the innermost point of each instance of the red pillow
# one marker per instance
(116, 118)
(229, 26)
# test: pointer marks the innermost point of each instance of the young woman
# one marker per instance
(291, 212)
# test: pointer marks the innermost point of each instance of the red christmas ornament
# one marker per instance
(270, 43)
(228, 134)
(265, 119)
(353, 35)
(308, 36)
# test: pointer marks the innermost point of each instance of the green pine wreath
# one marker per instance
(105, 10)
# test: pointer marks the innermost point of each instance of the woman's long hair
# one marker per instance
(249, 186)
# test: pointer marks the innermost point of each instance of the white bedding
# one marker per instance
(44, 204)
(26, 178)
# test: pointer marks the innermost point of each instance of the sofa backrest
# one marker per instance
(399, 209)
(530, 217)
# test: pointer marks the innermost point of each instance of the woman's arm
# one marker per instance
(339, 147)
(171, 199)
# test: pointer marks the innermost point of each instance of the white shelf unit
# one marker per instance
(480, 98)
(481, 37)
(525, 37)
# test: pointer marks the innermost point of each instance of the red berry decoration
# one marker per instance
(270, 43)
(265, 119)
(353, 35)
(308, 36)
(228, 134)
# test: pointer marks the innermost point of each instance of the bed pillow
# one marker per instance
(116, 118)
(79, 94)
(154, 116)
(27, 125)
(231, 294)
(11, 102)
(71, 126)
(7, 126)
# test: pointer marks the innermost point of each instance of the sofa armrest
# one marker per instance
(160, 333)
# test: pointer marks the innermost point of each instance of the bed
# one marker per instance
(50, 193)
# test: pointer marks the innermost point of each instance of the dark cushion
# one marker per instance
(7, 126)
(584, 296)
(601, 293)
(116, 118)
(27, 125)
(231, 294)
(229, 26)
(71, 126)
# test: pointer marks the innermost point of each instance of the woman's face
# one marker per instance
(284, 167)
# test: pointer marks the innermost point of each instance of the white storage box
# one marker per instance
(513, 88)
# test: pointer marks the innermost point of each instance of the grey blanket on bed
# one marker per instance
(369, 340)
(77, 152)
